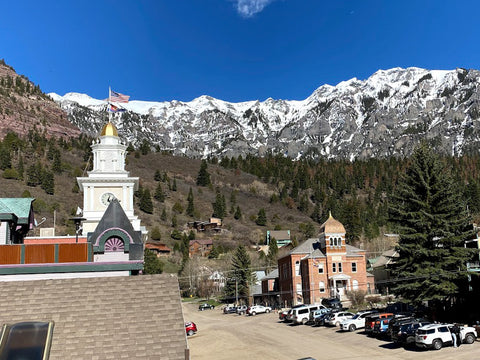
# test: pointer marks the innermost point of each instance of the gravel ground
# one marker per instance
(231, 336)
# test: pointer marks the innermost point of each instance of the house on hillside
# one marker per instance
(323, 267)
(214, 224)
(103, 317)
(381, 269)
(200, 247)
(281, 236)
(159, 249)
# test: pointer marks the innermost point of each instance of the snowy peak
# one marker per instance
(386, 114)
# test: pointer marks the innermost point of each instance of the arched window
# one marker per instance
(331, 241)
(355, 284)
(297, 268)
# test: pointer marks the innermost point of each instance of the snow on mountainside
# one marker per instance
(386, 114)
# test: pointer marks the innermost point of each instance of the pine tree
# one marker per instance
(174, 185)
(57, 162)
(272, 252)
(146, 204)
(156, 234)
(48, 182)
(157, 176)
(163, 215)
(5, 158)
(241, 273)
(238, 213)
(219, 206)
(433, 224)
(203, 177)
(151, 263)
(159, 194)
(190, 206)
(261, 217)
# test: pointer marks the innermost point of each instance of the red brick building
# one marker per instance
(323, 267)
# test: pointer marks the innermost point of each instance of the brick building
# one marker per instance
(323, 267)
(200, 247)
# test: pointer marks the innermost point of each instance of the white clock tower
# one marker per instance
(107, 180)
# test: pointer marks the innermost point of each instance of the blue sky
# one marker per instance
(235, 50)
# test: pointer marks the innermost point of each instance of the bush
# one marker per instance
(10, 174)
(356, 297)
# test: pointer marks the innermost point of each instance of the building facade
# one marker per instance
(323, 267)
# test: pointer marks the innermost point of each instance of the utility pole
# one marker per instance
(236, 290)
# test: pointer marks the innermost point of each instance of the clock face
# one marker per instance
(107, 197)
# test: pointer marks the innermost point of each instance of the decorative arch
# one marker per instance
(112, 237)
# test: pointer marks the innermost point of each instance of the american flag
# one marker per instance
(117, 97)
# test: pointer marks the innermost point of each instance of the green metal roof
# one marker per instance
(21, 207)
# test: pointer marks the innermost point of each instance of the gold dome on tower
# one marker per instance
(109, 130)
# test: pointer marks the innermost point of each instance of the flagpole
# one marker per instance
(109, 112)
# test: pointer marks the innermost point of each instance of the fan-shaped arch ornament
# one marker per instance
(114, 244)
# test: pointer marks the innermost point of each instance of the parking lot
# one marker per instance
(231, 336)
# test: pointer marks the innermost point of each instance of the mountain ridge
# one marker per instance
(384, 115)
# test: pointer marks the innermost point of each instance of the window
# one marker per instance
(297, 268)
(355, 284)
(331, 241)
(321, 286)
(339, 267)
(334, 267)
(299, 288)
(26, 340)
(354, 267)
(320, 268)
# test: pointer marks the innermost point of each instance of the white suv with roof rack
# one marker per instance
(301, 315)
(435, 336)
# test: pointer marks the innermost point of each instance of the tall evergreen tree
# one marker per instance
(238, 213)
(261, 217)
(146, 204)
(159, 194)
(219, 206)
(174, 185)
(433, 224)
(48, 182)
(190, 206)
(203, 177)
(241, 274)
(157, 176)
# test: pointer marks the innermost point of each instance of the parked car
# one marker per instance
(370, 320)
(242, 309)
(332, 303)
(282, 315)
(190, 328)
(322, 319)
(403, 333)
(301, 315)
(230, 310)
(396, 321)
(380, 326)
(356, 322)
(435, 336)
(317, 313)
(258, 309)
(206, 306)
(336, 318)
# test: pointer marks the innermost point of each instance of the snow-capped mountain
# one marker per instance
(386, 114)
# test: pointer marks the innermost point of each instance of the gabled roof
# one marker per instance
(280, 234)
(202, 242)
(103, 318)
(306, 247)
(21, 207)
(386, 258)
(354, 251)
(271, 275)
(317, 253)
(159, 247)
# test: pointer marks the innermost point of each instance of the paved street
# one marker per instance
(230, 336)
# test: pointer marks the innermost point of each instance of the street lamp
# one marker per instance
(77, 220)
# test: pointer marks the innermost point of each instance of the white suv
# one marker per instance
(301, 315)
(437, 335)
(258, 309)
(356, 322)
(337, 318)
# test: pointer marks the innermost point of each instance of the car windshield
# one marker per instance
(356, 316)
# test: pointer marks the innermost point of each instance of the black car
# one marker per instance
(404, 333)
(206, 306)
(332, 303)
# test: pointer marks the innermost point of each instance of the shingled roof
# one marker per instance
(135, 317)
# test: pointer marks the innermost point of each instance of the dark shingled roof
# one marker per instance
(134, 317)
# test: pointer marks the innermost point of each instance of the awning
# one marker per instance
(339, 277)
